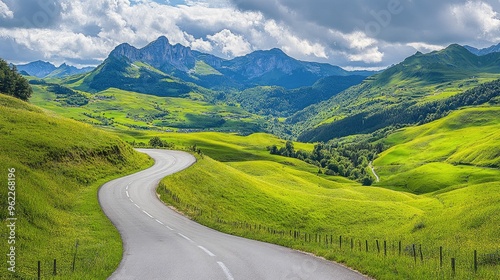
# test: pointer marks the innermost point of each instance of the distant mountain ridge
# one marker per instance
(43, 69)
(485, 51)
(269, 67)
(402, 89)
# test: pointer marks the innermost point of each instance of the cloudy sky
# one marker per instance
(350, 33)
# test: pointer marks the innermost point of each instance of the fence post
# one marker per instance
(54, 272)
(352, 243)
(340, 242)
(453, 267)
(366, 243)
(378, 246)
(39, 270)
(385, 248)
(440, 256)
(400, 247)
(414, 253)
(475, 261)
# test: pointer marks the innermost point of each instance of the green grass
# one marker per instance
(459, 150)
(271, 198)
(60, 165)
(450, 165)
(203, 69)
(125, 109)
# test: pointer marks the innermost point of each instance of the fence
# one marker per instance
(445, 262)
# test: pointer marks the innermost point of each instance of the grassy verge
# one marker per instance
(59, 165)
(283, 201)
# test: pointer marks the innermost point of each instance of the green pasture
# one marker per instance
(59, 165)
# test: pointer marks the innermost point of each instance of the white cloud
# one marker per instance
(358, 40)
(317, 30)
(231, 44)
(425, 48)
(5, 12)
(480, 16)
(199, 44)
(370, 55)
(291, 43)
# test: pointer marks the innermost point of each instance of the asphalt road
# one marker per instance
(162, 244)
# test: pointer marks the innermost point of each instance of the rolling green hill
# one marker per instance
(454, 152)
(131, 110)
(59, 165)
(119, 73)
(282, 102)
(414, 83)
(248, 192)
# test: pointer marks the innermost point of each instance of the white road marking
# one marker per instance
(137, 205)
(185, 237)
(207, 251)
(147, 214)
(131, 200)
(169, 228)
(128, 195)
(159, 222)
(226, 271)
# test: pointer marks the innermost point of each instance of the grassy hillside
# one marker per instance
(125, 109)
(457, 151)
(283, 200)
(59, 165)
(414, 83)
(282, 102)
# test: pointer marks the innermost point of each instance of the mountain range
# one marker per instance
(485, 51)
(410, 92)
(43, 69)
(161, 65)
(305, 100)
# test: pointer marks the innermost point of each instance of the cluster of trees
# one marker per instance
(12, 83)
(156, 142)
(104, 121)
(410, 113)
(348, 160)
(67, 96)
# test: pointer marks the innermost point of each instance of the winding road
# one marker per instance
(373, 171)
(162, 244)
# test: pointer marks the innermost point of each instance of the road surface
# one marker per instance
(162, 244)
(373, 171)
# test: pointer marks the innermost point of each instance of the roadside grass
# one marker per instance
(262, 197)
(239, 188)
(271, 202)
(60, 165)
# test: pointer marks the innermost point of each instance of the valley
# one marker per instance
(428, 126)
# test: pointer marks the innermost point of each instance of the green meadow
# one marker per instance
(59, 165)
(439, 188)
(439, 184)
(125, 109)
(457, 151)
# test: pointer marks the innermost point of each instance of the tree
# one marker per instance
(367, 181)
(155, 142)
(290, 150)
(273, 150)
(13, 83)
